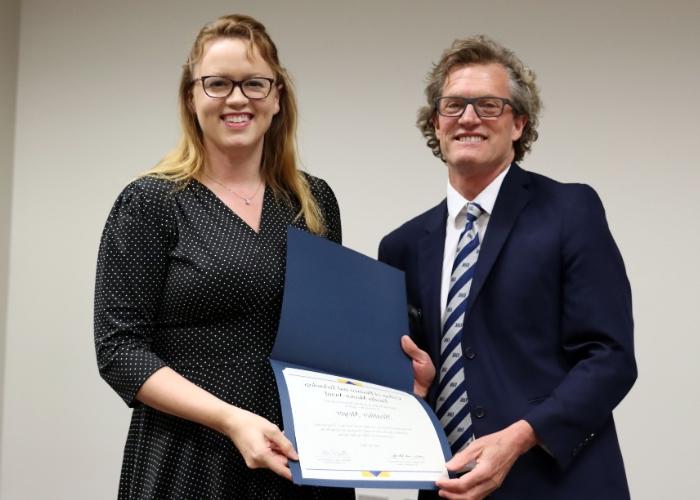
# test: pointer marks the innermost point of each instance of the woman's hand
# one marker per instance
(261, 443)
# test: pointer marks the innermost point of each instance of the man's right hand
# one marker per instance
(423, 368)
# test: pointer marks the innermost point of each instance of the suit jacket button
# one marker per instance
(469, 352)
(479, 412)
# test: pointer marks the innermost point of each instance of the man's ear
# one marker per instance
(436, 125)
(519, 123)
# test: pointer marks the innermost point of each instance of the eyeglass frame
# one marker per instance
(236, 83)
(473, 100)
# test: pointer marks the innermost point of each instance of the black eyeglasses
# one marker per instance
(220, 87)
(484, 107)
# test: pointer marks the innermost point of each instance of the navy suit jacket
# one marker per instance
(547, 335)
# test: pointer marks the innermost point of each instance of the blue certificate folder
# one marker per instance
(343, 313)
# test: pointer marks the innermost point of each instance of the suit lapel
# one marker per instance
(512, 198)
(430, 256)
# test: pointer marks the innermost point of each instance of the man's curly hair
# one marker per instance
(481, 49)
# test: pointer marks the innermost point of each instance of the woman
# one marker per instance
(190, 276)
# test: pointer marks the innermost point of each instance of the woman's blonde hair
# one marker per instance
(279, 159)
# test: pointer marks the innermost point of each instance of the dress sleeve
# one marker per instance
(131, 270)
(329, 207)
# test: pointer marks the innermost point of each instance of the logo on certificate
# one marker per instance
(376, 473)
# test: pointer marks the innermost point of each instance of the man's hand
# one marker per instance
(494, 455)
(423, 369)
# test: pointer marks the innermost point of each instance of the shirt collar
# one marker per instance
(486, 199)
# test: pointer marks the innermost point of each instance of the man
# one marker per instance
(518, 296)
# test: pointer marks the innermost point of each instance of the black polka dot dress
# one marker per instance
(183, 282)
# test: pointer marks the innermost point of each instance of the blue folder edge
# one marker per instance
(306, 279)
(295, 467)
(343, 313)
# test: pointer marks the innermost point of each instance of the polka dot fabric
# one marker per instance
(182, 281)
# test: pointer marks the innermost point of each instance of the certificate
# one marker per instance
(345, 385)
(353, 430)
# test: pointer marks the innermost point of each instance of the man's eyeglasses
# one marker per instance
(220, 87)
(484, 107)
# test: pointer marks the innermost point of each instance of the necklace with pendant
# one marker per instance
(246, 199)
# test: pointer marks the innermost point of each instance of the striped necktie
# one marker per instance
(453, 403)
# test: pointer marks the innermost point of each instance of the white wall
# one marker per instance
(9, 43)
(96, 106)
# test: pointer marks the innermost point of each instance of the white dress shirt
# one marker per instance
(457, 220)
